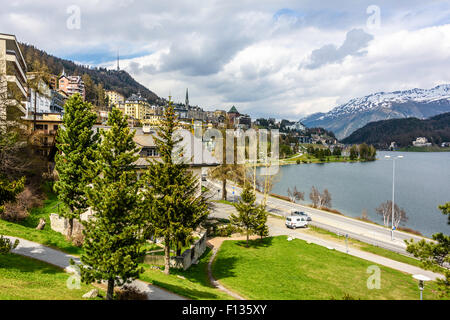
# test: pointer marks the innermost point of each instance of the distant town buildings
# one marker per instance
(421, 142)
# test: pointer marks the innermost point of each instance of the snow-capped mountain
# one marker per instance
(418, 103)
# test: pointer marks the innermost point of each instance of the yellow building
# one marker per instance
(137, 107)
(152, 120)
(114, 98)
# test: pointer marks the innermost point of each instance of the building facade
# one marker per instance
(13, 80)
(72, 85)
(114, 98)
(137, 107)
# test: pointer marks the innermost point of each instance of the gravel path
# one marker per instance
(62, 260)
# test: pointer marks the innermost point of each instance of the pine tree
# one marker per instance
(76, 143)
(249, 217)
(434, 255)
(114, 239)
(175, 207)
(261, 228)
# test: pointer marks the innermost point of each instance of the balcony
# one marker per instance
(13, 79)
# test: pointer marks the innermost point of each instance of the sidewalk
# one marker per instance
(62, 260)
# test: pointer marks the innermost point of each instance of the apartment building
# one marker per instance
(72, 85)
(114, 98)
(39, 98)
(137, 107)
(13, 80)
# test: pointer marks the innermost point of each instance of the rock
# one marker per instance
(181, 277)
(289, 239)
(91, 294)
(41, 224)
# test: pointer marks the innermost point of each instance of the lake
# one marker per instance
(422, 182)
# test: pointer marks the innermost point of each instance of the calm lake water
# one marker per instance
(422, 182)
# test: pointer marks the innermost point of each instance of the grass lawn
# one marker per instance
(305, 271)
(23, 278)
(26, 229)
(195, 286)
(368, 247)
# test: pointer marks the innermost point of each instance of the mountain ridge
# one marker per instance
(403, 131)
(120, 81)
(347, 118)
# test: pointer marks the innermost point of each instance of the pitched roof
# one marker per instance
(233, 110)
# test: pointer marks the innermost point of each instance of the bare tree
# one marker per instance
(385, 210)
(399, 216)
(295, 195)
(325, 199)
(314, 195)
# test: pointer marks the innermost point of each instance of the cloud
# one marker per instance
(355, 41)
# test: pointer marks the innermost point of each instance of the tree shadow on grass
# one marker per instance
(224, 267)
(187, 292)
(256, 243)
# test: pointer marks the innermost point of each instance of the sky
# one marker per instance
(281, 59)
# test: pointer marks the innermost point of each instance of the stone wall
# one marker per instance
(190, 256)
(60, 224)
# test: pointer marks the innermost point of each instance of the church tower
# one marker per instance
(187, 99)
(118, 66)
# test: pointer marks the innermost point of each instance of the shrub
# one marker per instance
(298, 161)
(18, 211)
(409, 230)
(130, 293)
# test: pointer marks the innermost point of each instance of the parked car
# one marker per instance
(302, 214)
(296, 221)
(204, 177)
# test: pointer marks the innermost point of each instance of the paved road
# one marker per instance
(277, 228)
(359, 230)
(62, 260)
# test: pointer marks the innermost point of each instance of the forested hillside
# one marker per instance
(403, 131)
(96, 79)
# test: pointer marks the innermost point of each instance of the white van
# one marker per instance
(296, 221)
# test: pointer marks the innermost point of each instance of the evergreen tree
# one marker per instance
(250, 217)
(171, 194)
(114, 239)
(76, 143)
(261, 228)
(445, 208)
(435, 255)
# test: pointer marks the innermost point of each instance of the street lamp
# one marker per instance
(393, 190)
(421, 279)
